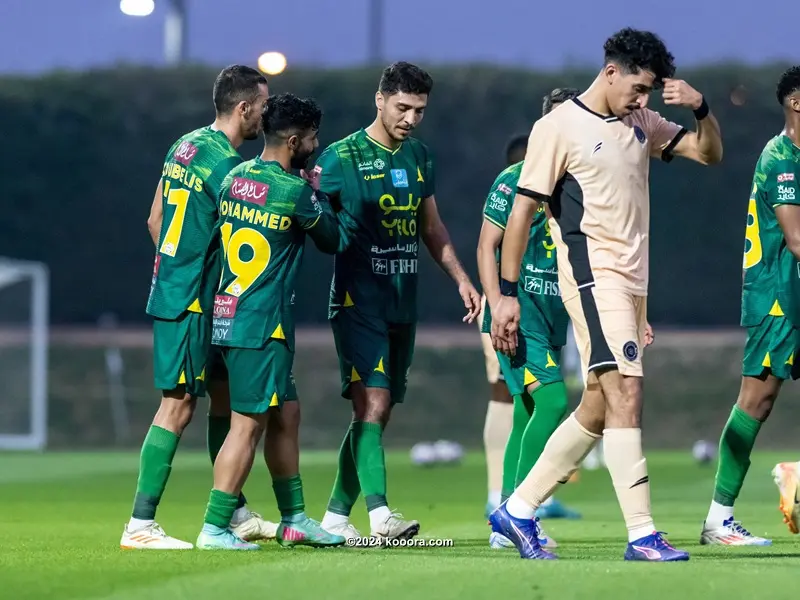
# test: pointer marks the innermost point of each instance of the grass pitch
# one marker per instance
(62, 515)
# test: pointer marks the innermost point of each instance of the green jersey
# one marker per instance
(539, 294)
(264, 215)
(184, 276)
(381, 192)
(771, 281)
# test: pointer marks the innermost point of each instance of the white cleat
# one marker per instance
(395, 527)
(786, 478)
(151, 537)
(253, 527)
(498, 540)
(346, 530)
(731, 533)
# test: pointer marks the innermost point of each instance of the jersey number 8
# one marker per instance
(752, 251)
(245, 272)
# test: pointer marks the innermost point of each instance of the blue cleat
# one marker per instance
(654, 548)
(215, 538)
(556, 510)
(523, 533)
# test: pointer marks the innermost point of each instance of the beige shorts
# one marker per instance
(493, 374)
(609, 328)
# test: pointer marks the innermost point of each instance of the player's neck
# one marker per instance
(230, 129)
(276, 155)
(378, 133)
(595, 99)
(792, 131)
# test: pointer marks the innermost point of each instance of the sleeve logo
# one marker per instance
(504, 189)
(248, 190)
(185, 153)
(786, 193)
(785, 177)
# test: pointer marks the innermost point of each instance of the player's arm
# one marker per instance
(704, 144)
(314, 215)
(156, 216)
(495, 216)
(330, 176)
(437, 240)
(783, 193)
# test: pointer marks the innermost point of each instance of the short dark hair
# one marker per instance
(235, 84)
(405, 77)
(558, 96)
(286, 115)
(633, 51)
(788, 84)
(516, 143)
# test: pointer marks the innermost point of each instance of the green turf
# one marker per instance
(61, 517)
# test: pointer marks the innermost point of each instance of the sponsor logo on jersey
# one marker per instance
(541, 287)
(785, 177)
(395, 266)
(222, 329)
(786, 193)
(504, 189)
(185, 153)
(497, 202)
(399, 178)
(225, 306)
(248, 190)
(639, 133)
(369, 165)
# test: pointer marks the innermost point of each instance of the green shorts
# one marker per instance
(374, 352)
(772, 344)
(536, 360)
(181, 349)
(260, 379)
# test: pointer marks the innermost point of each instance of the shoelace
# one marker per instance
(736, 526)
(661, 543)
(156, 528)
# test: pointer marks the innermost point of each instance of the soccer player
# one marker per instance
(770, 312)
(384, 180)
(181, 223)
(589, 162)
(539, 394)
(265, 215)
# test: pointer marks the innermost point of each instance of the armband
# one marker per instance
(508, 288)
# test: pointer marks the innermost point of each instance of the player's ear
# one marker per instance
(610, 71)
(379, 100)
(243, 108)
(293, 142)
(794, 103)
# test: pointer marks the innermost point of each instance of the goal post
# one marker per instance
(24, 342)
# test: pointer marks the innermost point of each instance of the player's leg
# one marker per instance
(180, 349)
(499, 417)
(247, 524)
(768, 360)
(617, 321)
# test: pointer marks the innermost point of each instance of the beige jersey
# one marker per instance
(593, 171)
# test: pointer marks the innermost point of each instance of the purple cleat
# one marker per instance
(654, 548)
(524, 533)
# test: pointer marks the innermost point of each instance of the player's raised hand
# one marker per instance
(312, 177)
(679, 93)
(505, 322)
(472, 301)
(649, 335)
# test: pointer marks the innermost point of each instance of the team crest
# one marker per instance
(630, 350)
(399, 178)
(639, 132)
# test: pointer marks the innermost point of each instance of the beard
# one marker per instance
(392, 130)
(300, 161)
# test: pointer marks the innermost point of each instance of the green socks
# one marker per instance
(220, 509)
(346, 487)
(367, 447)
(550, 403)
(522, 414)
(289, 494)
(735, 445)
(155, 464)
(216, 433)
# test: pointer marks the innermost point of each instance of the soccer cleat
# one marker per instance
(395, 527)
(151, 537)
(306, 532)
(489, 509)
(498, 540)
(556, 510)
(523, 533)
(654, 548)
(731, 533)
(253, 527)
(345, 530)
(214, 538)
(786, 478)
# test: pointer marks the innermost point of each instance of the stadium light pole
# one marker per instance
(174, 25)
